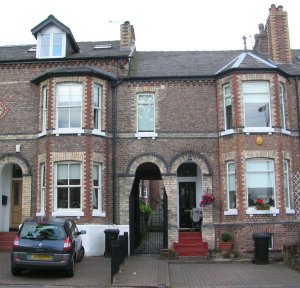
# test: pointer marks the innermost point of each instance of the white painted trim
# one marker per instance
(140, 135)
(258, 129)
(284, 131)
(63, 212)
(78, 131)
(227, 132)
(289, 211)
(253, 211)
(98, 132)
(98, 213)
(231, 212)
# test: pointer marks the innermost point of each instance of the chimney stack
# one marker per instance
(127, 36)
(273, 39)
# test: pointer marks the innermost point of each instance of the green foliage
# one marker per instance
(226, 236)
(145, 209)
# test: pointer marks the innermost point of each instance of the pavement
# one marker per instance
(153, 271)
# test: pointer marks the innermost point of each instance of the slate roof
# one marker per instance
(183, 64)
(84, 70)
(19, 53)
(163, 64)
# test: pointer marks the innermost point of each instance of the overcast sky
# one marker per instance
(159, 25)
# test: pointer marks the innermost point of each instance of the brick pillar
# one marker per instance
(170, 184)
(208, 227)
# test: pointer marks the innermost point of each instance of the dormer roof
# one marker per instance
(52, 20)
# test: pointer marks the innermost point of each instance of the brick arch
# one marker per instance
(144, 158)
(191, 156)
(16, 159)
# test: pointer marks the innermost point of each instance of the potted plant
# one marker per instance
(207, 199)
(226, 243)
(261, 205)
(146, 210)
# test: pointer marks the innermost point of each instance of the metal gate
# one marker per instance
(148, 236)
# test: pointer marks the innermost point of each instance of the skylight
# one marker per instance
(103, 46)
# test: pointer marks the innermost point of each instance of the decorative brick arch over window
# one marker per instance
(146, 158)
(26, 180)
(192, 157)
(16, 159)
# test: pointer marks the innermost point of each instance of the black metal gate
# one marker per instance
(148, 236)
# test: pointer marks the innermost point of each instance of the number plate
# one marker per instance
(41, 257)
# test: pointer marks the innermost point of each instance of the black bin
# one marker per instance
(261, 243)
(110, 235)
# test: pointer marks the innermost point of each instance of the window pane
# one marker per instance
(95, 172)
(63, 117)
(96, 96)
(57, 44)
(95, 198)
(75, 94)
(146, 118)
(74, 174)
(187, 170)
(62, 174)
(45, 45)
(75, 117)
(75, 197)
(63, 95)
(62, 197)
(257, 115)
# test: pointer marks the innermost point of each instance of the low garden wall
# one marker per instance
(292, 255)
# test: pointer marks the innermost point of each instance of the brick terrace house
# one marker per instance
(83, 124)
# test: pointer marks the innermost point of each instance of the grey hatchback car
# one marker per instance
(47, 243)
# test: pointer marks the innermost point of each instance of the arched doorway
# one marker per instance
(148, 231)
(11, 179)
(189, 178)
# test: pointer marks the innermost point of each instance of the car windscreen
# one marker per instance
(42, 231)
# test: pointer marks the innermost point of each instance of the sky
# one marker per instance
(160, 25)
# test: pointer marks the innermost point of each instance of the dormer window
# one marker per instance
(54, 39)
(51, 45)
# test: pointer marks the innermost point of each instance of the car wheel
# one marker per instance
(80, 254)
(15, 271)
(70, 271)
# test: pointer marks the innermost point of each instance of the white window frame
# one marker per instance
(51, 32)
(229, 174)
(42, 189)
(68, 130)
(98, 211)
(251, 91)
(44, 109)
(283, 114)
(286, 187)
(67, 211)
(271, 171)
(140, 134)
(97, 110)
(227, 97)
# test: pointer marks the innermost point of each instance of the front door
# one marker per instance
(16, 204)
(187, 201)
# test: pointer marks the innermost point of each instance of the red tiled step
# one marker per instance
(6, 241)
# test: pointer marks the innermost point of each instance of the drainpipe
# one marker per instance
(114, 88)
(298, 101)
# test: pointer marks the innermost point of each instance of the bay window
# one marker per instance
(256, 95)
(231, 189)
(286, 185)
(260, 181)
(228, 107)
(69, 105)
(68, 186)
(97, 193)
(97, 95)
(44, 109)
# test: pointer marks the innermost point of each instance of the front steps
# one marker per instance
(190, 244)
(6, 241)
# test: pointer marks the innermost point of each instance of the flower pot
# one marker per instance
(226, 246)
(264, 207)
